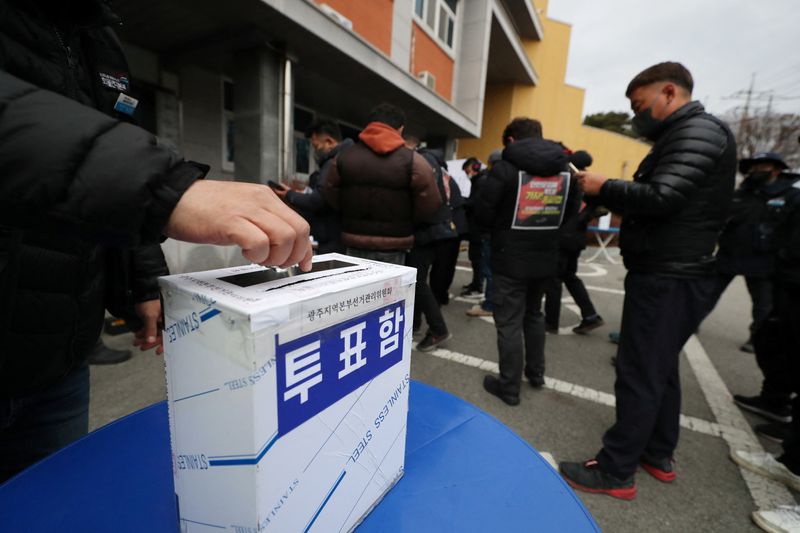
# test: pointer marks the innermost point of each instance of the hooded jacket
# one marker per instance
(78, 185)
(517, 253)
(676, 205)
(382, 190)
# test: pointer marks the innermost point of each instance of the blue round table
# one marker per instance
(464, 472)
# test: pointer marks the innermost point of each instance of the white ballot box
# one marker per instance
(288, 393)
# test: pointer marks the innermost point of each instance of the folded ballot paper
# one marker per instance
(288, 392)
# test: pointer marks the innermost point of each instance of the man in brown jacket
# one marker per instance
(382, 189)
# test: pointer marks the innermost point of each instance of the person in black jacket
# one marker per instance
(427, 237)
(782, 331)
(85, 199)
(571, 242)
(524, 250)
(745, 243)
(326, 224)
(443, 269)
(672, 213)
(477, 176)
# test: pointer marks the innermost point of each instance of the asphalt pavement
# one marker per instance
(566, 418)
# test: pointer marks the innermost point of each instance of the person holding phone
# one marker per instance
(672, 213)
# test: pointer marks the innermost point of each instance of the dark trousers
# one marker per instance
(35, 425)
(393, 257)
(474, 254)
(421, 258)
(760, 290)
(568, 275)
(658, 317)
(519, 321)
(780, 335)
(443, 269)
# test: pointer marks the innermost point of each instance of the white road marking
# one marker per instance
(597, 271)
(547, 456)
(584, 393)
(604, 289)
(738, 434)
(730, 426)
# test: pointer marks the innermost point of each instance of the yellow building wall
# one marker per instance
(557, 105)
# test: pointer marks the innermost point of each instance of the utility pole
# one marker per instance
(743, 121)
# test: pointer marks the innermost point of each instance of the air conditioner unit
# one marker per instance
(428, 79)
(338, 17)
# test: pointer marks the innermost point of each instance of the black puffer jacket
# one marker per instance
(520, 254)
(77, 185)
(326, 224)
(676, 206)
(747, 245)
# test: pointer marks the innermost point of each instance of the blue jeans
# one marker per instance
(35, 425)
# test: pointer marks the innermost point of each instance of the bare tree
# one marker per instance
(764, 130)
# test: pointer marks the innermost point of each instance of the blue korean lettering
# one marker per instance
(317, 370)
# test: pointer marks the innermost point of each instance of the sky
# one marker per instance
(722, 42)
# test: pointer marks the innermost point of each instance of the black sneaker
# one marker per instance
(103, 355)
(588, 324)
(661, 469)
(431, 341)
(757, 404)
(774, 431)
(551, 329)
(536, 380)
(588, 477)
(493, 387)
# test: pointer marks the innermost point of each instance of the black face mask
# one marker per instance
(757, 177)
(645, 125)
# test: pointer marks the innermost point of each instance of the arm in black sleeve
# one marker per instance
(686, 160)
(311, 202)
(65, 165)
(147, 264)
(491, 194)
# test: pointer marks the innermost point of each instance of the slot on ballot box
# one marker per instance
(287, 392)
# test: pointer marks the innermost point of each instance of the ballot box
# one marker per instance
(287, 392)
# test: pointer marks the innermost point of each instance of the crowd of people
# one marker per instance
(81, 223)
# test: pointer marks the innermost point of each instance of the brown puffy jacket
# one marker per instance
(382, 189)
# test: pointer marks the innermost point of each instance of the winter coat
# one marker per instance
(674, 209)
(519, 253)
(79, 184)
(382, 190)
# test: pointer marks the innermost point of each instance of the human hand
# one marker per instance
(150, 334)
(590, 183)
(248, 215)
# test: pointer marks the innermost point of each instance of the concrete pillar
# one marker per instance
(401, 33)
(473, 55)
(258, 108)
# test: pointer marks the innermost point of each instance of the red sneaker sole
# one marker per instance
(664, 477)
(622, 494)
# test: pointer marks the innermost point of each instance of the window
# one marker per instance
(439, 17)
(419, 7)
(227, 126)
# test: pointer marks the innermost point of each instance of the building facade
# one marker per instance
(558, 105)
(235, 84)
